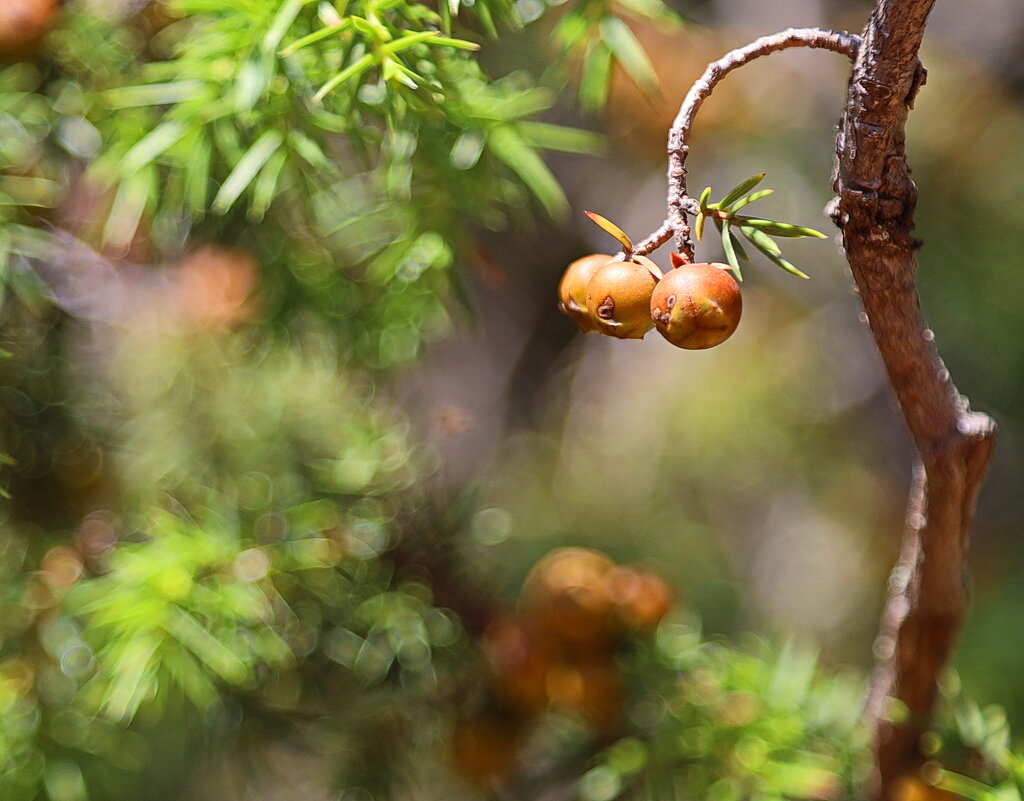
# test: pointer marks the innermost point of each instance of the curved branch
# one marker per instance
(679, 204)
(875, 212)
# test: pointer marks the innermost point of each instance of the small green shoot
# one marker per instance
(757, 231)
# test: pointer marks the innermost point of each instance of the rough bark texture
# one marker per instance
(876, 199)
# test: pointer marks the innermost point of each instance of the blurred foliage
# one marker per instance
(204, 475)
(593, 37)
(723, 723)
(227, 230)
(769, 723)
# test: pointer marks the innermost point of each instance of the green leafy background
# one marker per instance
(247, 548)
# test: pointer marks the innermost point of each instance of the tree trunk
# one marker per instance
(874, 210)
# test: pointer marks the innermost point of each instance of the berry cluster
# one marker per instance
(557, 653)
(694, 306)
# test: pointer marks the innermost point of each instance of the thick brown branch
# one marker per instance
(927, 597)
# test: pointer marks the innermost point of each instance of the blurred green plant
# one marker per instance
(594, 35)
(724, 723)
(31, 176)
(204, 485)
(208, 477)
(764, 722)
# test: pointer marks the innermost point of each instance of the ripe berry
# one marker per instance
(619, 297)
(697, 306)
(572, 291)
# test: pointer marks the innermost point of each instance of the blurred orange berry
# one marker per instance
(484, 748)
(22, 25)
(518, 658)
(215, 284)
(913, 787)
(641, 599)
(565, 595)
(591, 687)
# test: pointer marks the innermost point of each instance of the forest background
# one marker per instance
(289, 413)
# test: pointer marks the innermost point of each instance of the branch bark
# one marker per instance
(875, 211)
(679, 203)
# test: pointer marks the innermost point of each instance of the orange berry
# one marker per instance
(23, 23)
(565, 596)
(519, 658)
(697, 306)
(216, 283)
(484, 748)
(641, 599)
(912, 787)
(572, 290)
(591, 687)
(619, 297)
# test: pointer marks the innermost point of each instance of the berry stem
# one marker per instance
(679, 203)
